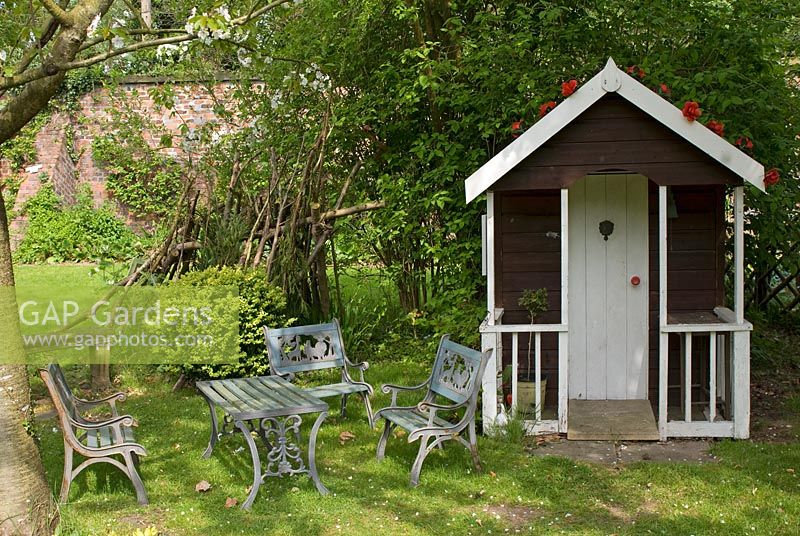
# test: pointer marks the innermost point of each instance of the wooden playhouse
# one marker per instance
(622, 209)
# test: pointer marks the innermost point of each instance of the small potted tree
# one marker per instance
(535, 303)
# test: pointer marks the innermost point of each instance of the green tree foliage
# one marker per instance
(429, 91)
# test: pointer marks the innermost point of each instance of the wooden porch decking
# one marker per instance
(610, 420)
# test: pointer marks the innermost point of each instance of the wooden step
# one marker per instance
(611, 420)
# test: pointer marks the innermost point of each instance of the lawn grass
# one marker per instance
(752, 488)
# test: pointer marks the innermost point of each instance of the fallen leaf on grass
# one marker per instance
(790, 471)
(346, 436)
(230, 502)
(398, 433)
(479, 522)
(203, 485)
(492, 474)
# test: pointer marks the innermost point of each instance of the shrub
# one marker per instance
(81, 232)
(261, 304)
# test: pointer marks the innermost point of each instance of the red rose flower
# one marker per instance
(744, 143)
(546, 107)
(516, 128)
(664, 89)
(716, 127)
(691, 110)
(568, 88)
(772, 177)
(631, 69)
(641, 73)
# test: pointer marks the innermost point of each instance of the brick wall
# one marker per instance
(194, 106)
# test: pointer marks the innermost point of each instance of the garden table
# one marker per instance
(271, 408)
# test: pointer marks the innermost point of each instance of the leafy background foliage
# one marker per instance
(81, 232)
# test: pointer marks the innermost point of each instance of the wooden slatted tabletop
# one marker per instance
(256, 398)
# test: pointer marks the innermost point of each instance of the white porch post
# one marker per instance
(563, 336)
(489, 340)
(663, 339)
(740, 368)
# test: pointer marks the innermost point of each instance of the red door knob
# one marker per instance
(635, 280)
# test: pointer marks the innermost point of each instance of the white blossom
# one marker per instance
(90, 31)
(276, 101)
(118, 42)
(204, 36)
(244, 57)
(3, 55)
(189, 28)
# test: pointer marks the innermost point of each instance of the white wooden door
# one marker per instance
(608, 311)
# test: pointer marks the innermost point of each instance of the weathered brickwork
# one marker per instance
(69, 167)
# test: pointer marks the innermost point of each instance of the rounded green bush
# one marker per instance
(260, 304)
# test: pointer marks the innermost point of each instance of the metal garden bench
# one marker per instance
(97, 441)
(456, 378)
(317, 347)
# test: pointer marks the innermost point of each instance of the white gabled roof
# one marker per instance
(613, 80)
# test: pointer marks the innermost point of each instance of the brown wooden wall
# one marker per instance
(614, 135)
(528, 255)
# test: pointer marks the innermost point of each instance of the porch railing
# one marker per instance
(492, 337)
(727, 381)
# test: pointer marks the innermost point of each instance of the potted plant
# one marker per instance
(535, 303)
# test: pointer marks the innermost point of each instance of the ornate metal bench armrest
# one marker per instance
(395, 389)
(425, 406)
(111, 400)
(394, 408)
(288, 376)
(431, 408)
(124, 420)
(363, 365)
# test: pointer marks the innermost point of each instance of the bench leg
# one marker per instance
(473, 447)
(256, 464)
(66, 480)
(370, 417)
(384, 438)
(214, 432)
(417, 467)
(343, 411)
(312, 455)
(136, 480)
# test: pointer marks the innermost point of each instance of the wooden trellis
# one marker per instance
(781, 281)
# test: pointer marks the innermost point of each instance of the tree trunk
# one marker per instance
(25, 499)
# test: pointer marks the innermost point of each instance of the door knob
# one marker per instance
(635, 280)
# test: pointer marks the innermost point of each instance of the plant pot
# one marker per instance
(526, 394)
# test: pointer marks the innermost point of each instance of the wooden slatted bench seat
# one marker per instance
(456, 379)
(97, 441)
(317, 347)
